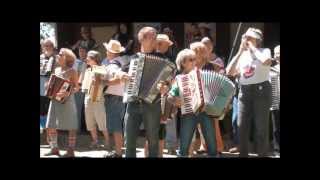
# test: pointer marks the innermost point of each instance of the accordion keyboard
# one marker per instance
(131, 89)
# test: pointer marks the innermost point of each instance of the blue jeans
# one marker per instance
(115, 109)
(171, 136)
(235, 128)
(149, 114)
(188, 126)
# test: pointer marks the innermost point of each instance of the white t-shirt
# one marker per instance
(251, 69)
(112, 70)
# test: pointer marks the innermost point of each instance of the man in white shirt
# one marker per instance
(115, 108)
(252, 63)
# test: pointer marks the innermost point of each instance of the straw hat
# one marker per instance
(114, 46)
(164, 37)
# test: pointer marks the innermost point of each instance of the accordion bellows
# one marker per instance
(205, 88)
(145, 73)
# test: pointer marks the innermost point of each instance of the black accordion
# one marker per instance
(146, 71)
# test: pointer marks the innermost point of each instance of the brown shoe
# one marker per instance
(69, 154)
(53, 151)
(234, 150)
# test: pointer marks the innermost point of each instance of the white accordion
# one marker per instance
(92, 83)
(275, 87)
(204, 88)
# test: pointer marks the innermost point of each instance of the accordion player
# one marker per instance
(205, 88)
(57, 85)
(92, 82)
(46, 65)
(146, 71)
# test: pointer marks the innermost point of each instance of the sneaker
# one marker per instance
(69, 154)
(113, 155)
(54, 151)
(234, 150)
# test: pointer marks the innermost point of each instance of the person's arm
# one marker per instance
(173, 95)
(128, 46)
(264, 57)
(115, 75)
(75, 81)
(76, 45)
(232, 68)
(113, 81)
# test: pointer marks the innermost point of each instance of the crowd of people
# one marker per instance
(253, 70)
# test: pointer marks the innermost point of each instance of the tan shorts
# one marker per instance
(95, 114)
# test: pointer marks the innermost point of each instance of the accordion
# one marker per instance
(57, 85)
(275, 87)
(92, 83)
(46, 65)
(205, 88)
(145, 72)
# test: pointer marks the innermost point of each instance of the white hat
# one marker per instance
(255, 33)
(114, 46)
(164, 37)
(203, 25)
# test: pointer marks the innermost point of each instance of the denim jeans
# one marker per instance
(149, 114)
(171, 137)
(115, 110)
(188, 126)
(254, 103)
(235, 129)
